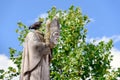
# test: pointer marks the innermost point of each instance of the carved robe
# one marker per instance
(35, 58)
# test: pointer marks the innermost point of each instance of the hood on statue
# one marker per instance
(36, 25)
(54, 31)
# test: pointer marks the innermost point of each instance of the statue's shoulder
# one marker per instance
(35, 36)
(30, 35)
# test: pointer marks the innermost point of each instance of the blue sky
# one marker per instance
(105, 15)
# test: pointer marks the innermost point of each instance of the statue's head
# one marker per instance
(36, 25)
(54, 31)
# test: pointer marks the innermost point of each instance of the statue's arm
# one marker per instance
(36, 44)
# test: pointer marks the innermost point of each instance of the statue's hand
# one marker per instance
(47, 44)
(52, 45)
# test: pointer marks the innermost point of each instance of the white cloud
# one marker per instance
(35, 19)
(116, 58)
(43, 15)
(92, 19)
(5, 62)
(115, 38)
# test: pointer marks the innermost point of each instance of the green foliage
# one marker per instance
(15, 55)
(22, 31)
(73, 57)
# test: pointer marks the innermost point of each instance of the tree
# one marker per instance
(73, 58)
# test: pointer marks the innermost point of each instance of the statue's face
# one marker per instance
(54, 31)
(54, 37)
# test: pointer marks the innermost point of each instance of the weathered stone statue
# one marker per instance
(37, 51)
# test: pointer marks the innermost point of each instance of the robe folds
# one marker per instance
(35, 58)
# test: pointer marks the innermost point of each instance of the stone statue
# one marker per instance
(37, 51)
